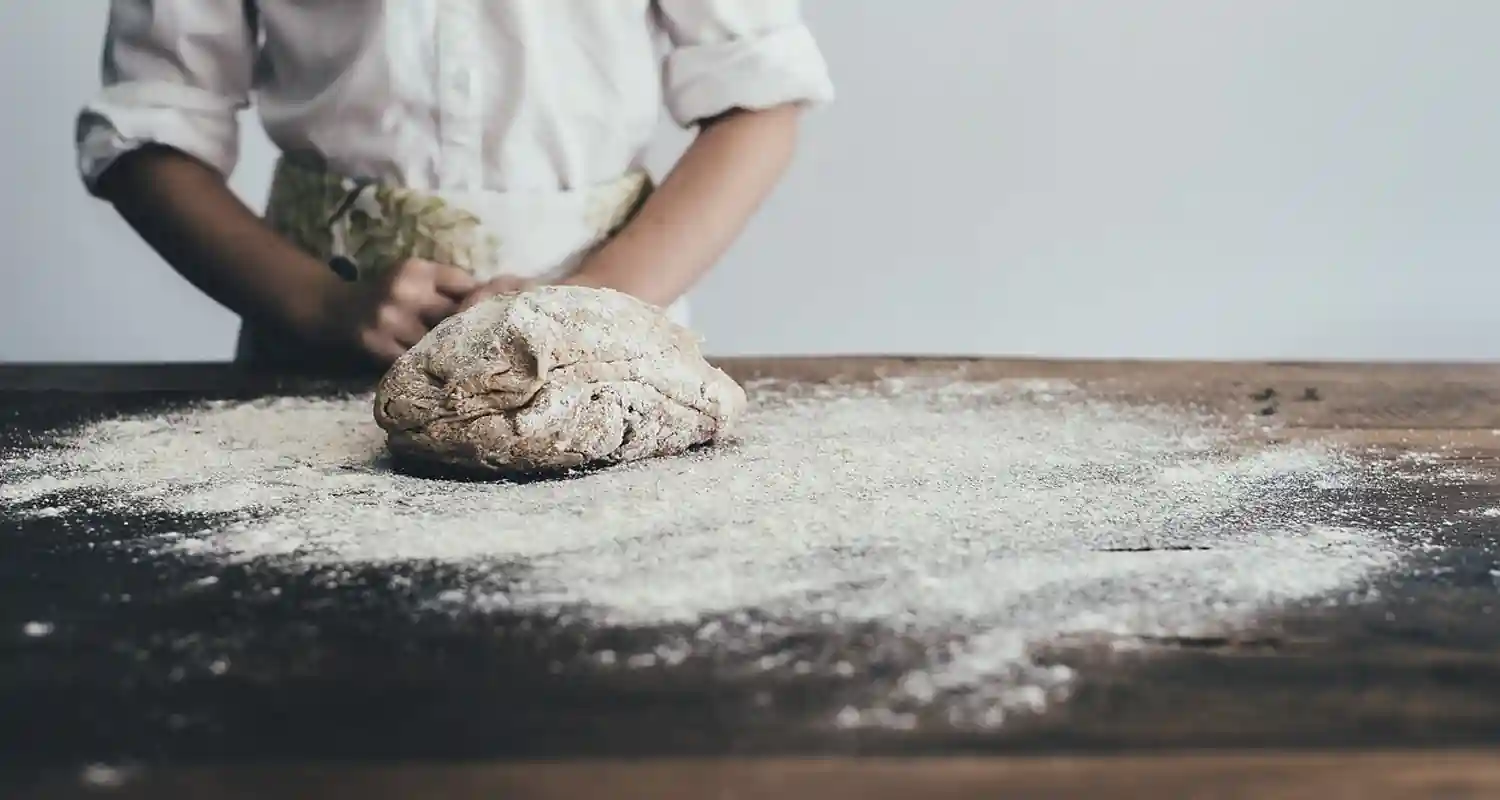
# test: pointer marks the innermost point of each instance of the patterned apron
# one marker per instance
(361, 228)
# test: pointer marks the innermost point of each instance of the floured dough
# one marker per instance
(552, 379)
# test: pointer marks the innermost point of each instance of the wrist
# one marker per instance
(611, 269)
(585, 278)
(311, 311)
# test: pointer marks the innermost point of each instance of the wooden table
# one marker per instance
(1396, 698)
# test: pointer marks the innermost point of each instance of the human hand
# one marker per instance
(383, 318)
(505, 284)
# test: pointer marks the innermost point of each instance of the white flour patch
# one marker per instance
(978, 522)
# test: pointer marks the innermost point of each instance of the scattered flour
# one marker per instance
(104, 776)
(976, 521)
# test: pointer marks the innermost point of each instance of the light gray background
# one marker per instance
(1151, 178)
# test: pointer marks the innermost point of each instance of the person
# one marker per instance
(437, 152)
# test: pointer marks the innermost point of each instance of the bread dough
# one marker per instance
(552, 379)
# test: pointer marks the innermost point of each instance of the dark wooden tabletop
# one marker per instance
(1399, 697)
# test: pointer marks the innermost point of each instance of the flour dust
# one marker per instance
(970, 524)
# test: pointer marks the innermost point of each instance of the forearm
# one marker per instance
(688, 223)
(187, 213)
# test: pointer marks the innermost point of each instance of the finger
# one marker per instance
(505, 284)
(410, 271)
(401, 325)
(435, 309)
(448, 279)
(381, 349)
(453, 281)
(409, 336)
(476, 297)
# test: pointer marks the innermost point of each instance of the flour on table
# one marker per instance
(973, 523)
(554, 378)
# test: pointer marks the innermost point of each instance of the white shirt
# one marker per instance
(467, 95)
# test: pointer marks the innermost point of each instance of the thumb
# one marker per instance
(452, 281)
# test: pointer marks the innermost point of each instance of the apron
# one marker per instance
(361, 228)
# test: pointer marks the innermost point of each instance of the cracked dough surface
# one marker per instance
(552, 379)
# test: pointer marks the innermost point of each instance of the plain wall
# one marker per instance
(1153, 178)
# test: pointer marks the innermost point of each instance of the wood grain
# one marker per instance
(1351, 395)
(1417, 666)
(1292, 776)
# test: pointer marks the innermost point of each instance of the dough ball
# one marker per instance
(553, 379)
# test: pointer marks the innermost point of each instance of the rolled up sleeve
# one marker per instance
(175, 73)
(747, 54)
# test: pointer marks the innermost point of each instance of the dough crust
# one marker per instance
(553, 379)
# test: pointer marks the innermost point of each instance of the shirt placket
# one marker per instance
(460, 117)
